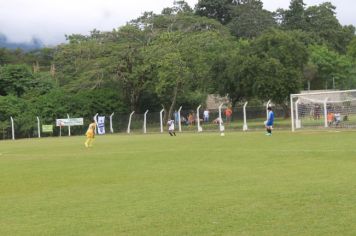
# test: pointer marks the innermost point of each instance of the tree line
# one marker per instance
(178, 57)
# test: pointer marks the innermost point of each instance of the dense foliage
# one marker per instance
(234, 48)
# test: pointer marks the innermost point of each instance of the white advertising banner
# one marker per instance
(69, 122)
(101, 124)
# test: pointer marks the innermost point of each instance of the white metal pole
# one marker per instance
(245, 128)
(68, 125)
(111, 128)
(12, 128)
(129, 125)
(200, 129)
(161, 119)
(297, 121)
(296, 111)
(268, 103)
(292, 112)
(60, 129)
(96, 122)
(145, 122)
(325, 113)
(38, 127)
(220, 118)
(179, 119)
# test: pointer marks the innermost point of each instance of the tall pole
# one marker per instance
(161, 119)
(245, 128)
(179, 120)
(145, 122)
(96, 122)
(221, 127)
(111, 128)
(68, 125)
(297, 124)
(38, 127)
(12, 128)
(292, 112)
(60, 129)
(200, 129)
(129, 125)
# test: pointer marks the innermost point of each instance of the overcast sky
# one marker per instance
(50, 20)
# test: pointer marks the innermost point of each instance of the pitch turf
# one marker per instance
(192, 184)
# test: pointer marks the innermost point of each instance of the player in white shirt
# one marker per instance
(170, 124)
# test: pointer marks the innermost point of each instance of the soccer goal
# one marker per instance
(322, 110)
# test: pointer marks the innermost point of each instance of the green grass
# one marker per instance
(192, 184)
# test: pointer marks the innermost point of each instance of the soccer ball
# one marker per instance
(222, 134)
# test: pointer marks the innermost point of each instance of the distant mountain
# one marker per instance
(34, 44)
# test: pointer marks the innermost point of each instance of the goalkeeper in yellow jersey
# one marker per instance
(90, 134)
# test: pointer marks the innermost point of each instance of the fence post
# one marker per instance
(221, 127)
(60, 129)
(200, 129)
(145, 122)
(38, 127)
(129, 125)
(111, 128)
(326, 113)
(245, 128)
(161, 119)
(12, 128)
(96, 122)
(267, 105)
(68, 125)
(179, 119)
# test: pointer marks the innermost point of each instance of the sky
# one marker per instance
(50, 20)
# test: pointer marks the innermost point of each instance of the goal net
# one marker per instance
(323, 110)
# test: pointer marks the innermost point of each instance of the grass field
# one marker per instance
(192, 184)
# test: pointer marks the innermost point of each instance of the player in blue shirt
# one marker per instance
(269, 122)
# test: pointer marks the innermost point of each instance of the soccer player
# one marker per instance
(90, 134)
(269, 121)
(170, 124)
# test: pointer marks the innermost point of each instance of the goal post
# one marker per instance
(323, 110)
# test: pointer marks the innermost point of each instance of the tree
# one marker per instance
(319, 20)
(310, 72)
(15, 79)
(249, 19)
(22, 113)
(333, 70)
(220, 10)
(283, 59)
(234, 72)
(169, 70)
(294, 18)
(351, 48)
(178, 8)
